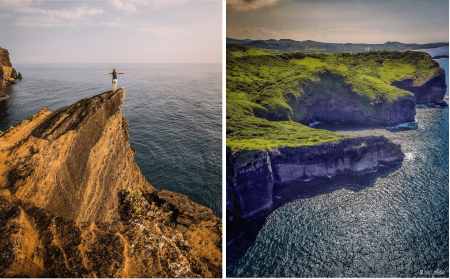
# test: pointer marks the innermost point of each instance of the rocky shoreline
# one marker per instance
(253, 175)
(8, 74)
(330, 99)
(431, 93)
(73, 203)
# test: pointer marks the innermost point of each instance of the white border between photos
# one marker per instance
(224, 225)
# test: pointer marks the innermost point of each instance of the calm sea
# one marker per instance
(175, 114)
(393, 223)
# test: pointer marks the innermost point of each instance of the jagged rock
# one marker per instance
(7, 72)
(63, 180)
(75, 156)
(188, 212)
(20, 76)
(36, 243)
(13, 74)
(2, 83)
(11, 80)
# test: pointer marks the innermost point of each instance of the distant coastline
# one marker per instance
(309, 46)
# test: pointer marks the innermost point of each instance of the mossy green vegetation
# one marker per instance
(258, 81)
(249, 52)
(249, 132)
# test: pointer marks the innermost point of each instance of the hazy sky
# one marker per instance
(133, 31)
(340, 21)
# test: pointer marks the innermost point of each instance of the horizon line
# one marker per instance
(337, 43)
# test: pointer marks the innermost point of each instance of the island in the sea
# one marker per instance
(273, 100)
(73, 202)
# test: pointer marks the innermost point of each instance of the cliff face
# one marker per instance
(331, 99)
(76, 156)
(8, 74)
(2, 83)
(253, 175)
(66, 180)
(431, 92)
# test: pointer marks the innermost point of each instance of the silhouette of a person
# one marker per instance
(114, 78)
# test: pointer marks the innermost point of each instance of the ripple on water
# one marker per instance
(395, 228)
(174, 113)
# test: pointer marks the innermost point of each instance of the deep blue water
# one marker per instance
(393, 223)
(175, 114)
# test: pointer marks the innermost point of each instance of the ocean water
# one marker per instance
(174, 110)
(392, 223)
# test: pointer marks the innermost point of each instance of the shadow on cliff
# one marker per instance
(5, 122)
(344, 127)
(4, 115)
(242, 234)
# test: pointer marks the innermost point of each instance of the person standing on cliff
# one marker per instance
(114, 78)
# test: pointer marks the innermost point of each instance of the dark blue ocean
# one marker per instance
(175, 114)
(392, 223)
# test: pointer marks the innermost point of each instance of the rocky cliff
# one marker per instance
(8, 74)
(431, 92)
(331, 99)
(73, 203)
(253, 175)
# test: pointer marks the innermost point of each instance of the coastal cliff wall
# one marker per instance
(334, 100)
(69, 184)
(431, 92)
(331, 99)
(252, 175)
(76, 156)
(2, 83)
(8, 74)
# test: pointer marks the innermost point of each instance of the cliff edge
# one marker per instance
(252, 175)
(73, 203)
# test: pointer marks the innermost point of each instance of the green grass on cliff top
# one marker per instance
(245, 131)
(259, 80)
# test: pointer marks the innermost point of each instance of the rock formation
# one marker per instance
(331, 99)
(8, 74)
(2, 84)
(431, 92)
(73, 203)
(13, 73)
(252, 175)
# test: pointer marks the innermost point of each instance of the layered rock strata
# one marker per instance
(253, 175)
(65, 179)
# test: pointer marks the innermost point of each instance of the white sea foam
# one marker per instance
(409, 156)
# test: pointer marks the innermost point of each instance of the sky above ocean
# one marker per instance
(133, 31)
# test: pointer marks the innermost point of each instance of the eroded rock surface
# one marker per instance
(331, 99)
(431, 92)
(8, 74)
(69, 208)
(252, 175)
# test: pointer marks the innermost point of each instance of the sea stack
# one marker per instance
(70, 185)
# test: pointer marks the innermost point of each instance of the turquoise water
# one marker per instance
(393, 223)
(175, 114)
